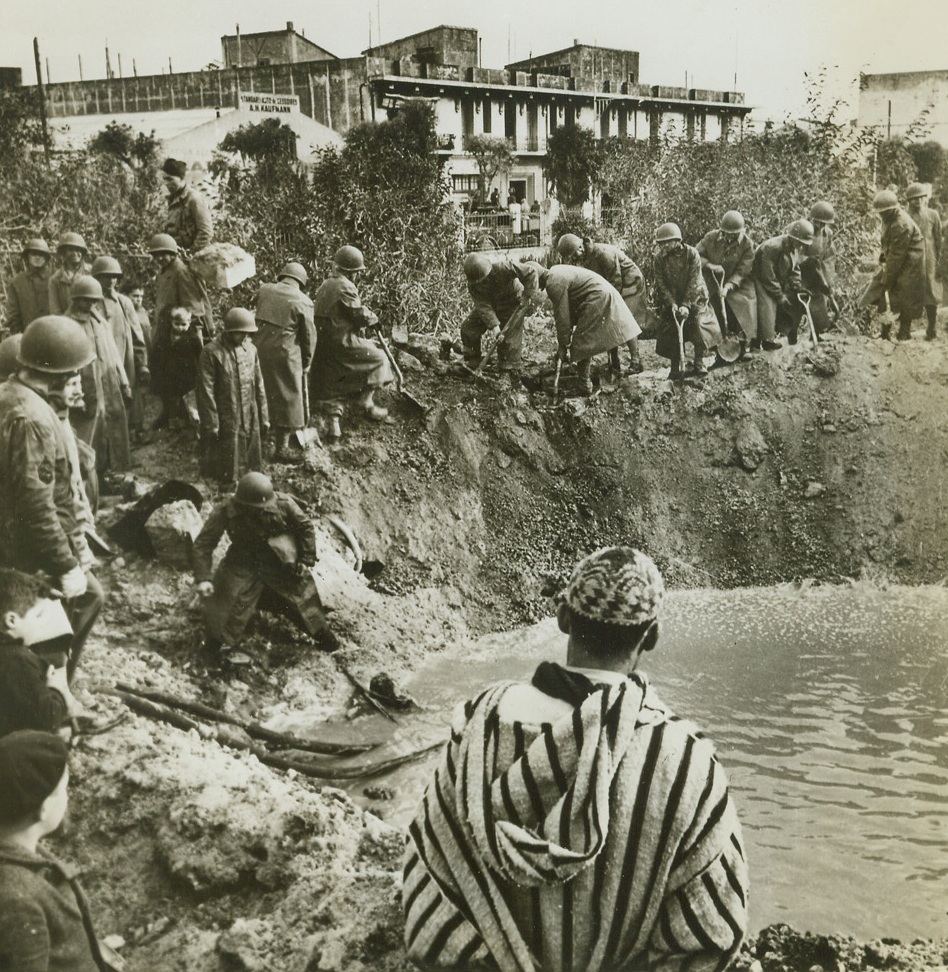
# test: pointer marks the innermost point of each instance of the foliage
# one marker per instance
(267, 141)
(894, 164)
(492, 156)
(572, 163)
(20, 127)
(384, 192)
(123, 142)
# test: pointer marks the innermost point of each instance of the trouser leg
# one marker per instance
(905, 325)
(472, 329)
(299, 601)
(82, 612)
(931, 311)
(228, 611)
(635, 360)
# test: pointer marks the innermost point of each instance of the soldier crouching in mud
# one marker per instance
(272, 548)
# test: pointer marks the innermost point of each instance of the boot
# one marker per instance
(905, 332)
(334, 433)
(932, 313)
(746, 351)
(699, 369)
(585, 381)
(886, 332)
(635, 362)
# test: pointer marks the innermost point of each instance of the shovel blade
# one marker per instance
(730, 349)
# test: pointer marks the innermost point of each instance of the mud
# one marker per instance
(800, 464)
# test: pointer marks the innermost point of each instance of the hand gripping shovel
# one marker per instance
(730, 348)
(804, 299)
(416, 405)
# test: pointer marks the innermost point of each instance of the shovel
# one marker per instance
(730, 347)
(804, 299)
(302, 437)
(416, 405)
(680, 327)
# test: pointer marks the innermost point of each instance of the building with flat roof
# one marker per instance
(898, 103)
(268, 47)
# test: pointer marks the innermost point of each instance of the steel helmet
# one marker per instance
(162, 243)
(254, 489)
(239, 319)
(732, 221)
(296, 271)
(86, 287)
(916, 190)
(74, 240)
(884, 200)
(9, 355)
(568, 245)
(55, 344)
(348, 258)
(37, 246)
(106, 266)
(666, 232)
(823, 212)
(477, 267)
(802, 231)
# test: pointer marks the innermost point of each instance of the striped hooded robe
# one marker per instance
(592, 837)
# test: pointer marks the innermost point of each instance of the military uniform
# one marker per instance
(257, 562)
(496, 298)
(189, 219)
(345, 364)
(41, 524)
(286, 342)
(902, 275)
(232, 403)
(679, 282)
(60, 284)
(27, 298)
(736, 257)
(129, 339)
(177, 286)
(778, 282)
(818, 276)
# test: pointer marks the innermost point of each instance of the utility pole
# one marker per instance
(888, 133)
(47, 70)
(108, 62)
(134, 68)
(170, 68)
(41, 91)
(80, 67)
(119, 55)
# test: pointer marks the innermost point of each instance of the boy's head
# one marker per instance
(34, 777)
(28, 614)
(610, 608)
(180, 320)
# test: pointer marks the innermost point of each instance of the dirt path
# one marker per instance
(794, 465)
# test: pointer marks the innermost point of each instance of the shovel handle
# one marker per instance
(680, 327)
(399, 378)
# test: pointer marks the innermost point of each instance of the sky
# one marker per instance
(769, 44)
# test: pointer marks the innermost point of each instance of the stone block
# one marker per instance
(172, 529)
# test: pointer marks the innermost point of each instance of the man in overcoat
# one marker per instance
(680, 289)
(232, 402)
(286, 342)
(727, 263)
(272, 551)
(28, 296)
(41, 524)
(779, 283)
(818, 267)
(177, 286)
(590, 316)
(189, 217)
(616, 266)
(72, 253)
(346, 364)
(103, 421)
(929, 224)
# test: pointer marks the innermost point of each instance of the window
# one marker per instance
(467, 116)
(486, 112)
(464, 183)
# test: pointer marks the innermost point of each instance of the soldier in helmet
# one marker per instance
(590, 316)
(41, 523)
(901, 278)
(614, 265)
(680, 289)
(232, 402)
(779, 283)
(72, 253)
(177, 286)
(28, 296)
(119, 312)
(727, 263)
(286, 342)
(103, 422)
(498, 289)
(929, 224)
(347, 364)
(272, 549)
(818, 267)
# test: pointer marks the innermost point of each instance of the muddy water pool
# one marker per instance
(829, 709)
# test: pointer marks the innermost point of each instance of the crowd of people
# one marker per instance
(573, 822)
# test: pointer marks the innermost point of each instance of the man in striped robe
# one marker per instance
(575, 823)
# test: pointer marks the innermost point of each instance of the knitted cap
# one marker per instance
(174, 167)
(31, 766)
(616, 585)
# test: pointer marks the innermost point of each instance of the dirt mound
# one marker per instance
(797, 464)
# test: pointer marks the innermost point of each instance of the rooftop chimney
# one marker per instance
(289, 26)
(575, 42)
